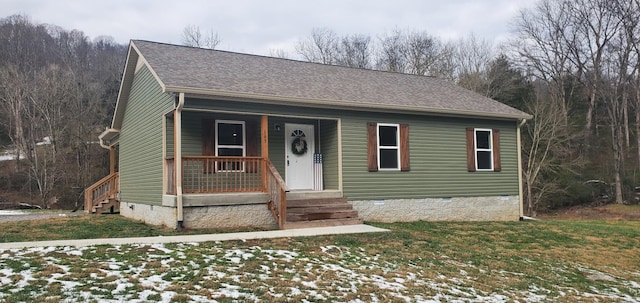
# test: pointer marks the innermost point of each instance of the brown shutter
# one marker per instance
(208, 144)
(496, 150)
(252, 144)
(471, 155)
(372, 146)
(404, 147)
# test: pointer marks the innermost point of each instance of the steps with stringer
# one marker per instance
(110, 205)
(320, 212)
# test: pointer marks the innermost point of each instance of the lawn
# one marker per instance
(531, 261)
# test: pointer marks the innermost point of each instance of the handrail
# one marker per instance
(100, 191)
(277, 191)
(221, 174)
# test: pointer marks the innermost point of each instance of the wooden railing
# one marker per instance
(277, 190)
(100, 191)
(210, 174)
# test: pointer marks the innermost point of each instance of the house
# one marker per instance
(208, 138)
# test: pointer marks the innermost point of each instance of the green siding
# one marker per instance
(437, 149)
(141, 159)
(329, 148)
(438, 160)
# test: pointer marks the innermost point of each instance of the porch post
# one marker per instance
(264, 144)
(177, 137)
(112, 160)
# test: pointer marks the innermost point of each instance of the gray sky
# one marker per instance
(255, 26)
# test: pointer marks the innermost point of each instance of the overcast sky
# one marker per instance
(258, 26)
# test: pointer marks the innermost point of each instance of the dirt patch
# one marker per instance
(604, 212)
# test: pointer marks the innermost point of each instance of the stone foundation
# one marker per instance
(256, 215)
(500, 208)
(149, 214)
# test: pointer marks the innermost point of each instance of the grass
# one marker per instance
(532, 261)
(89, 227)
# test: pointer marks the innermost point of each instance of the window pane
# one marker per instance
(388, 158)
(482, 139)
(388, 135)
(229, 134)
(484, 159)
(230, 152)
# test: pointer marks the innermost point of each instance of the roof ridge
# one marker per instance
(291, 60)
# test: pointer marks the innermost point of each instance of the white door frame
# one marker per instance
(299, 168)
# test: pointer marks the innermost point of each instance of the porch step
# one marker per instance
(111, 205)
(322, 223)
(323, 212)
(321, 202)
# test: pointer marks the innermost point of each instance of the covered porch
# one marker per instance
(226, 159)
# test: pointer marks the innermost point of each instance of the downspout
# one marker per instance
(177, 131)
(520, 186)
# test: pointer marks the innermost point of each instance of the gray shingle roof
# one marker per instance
(180, 67)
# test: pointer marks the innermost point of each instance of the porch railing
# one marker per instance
(209, 174)
(277, 190)
(101, 191)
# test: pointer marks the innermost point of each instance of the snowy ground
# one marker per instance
(222, 272)
(10, 212)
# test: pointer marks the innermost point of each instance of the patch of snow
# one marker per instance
(10, 212)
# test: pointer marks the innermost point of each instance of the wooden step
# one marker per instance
(319, 208)
(321, 216)
(322, 223)
(315, 202)
(111, 205)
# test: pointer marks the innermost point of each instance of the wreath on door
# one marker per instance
(299, 146)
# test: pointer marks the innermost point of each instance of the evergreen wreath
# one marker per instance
(299, 146)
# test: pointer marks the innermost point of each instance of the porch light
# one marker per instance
(277, 127)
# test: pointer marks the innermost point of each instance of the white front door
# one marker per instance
(299, 149)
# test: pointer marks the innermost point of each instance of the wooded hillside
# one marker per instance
(57, 93)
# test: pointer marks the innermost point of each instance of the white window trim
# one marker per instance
(397, 147)
(244, 143)
(476, 149)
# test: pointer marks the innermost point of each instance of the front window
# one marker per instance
(483, 149)
(230, 142)
(388, 146)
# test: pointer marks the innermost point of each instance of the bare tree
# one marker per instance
(320, 47)
(392, 52)
(278, 53)
(192, 36)
(472, 58)
(544, 36)
(546, 140)
(354, 51)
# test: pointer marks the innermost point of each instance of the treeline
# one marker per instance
(57, 92)
(573, 64)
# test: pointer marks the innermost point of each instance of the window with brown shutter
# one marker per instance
(404, 147)
(483, 149)
(372, 146)
(387, 146)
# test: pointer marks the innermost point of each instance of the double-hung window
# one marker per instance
(483, 149)
(388, 146)
(230, 141)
